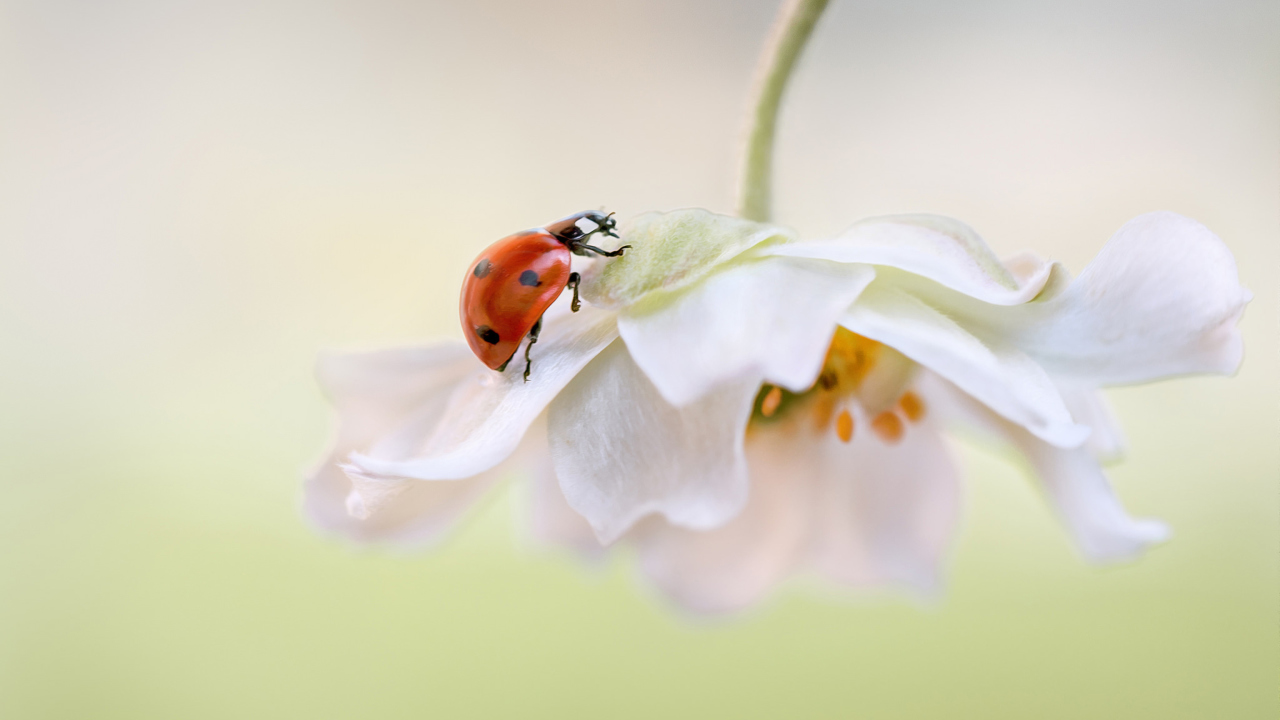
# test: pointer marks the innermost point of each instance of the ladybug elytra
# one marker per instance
(513, 282)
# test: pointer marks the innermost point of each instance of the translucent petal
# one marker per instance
(1083, 498)
(488, 412)
(377, 394)
(550, 520)
(734, 566)
(863, 513)
(888, 512)
(1090, 407)
(1072, 479)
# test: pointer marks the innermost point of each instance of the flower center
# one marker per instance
(861, 381)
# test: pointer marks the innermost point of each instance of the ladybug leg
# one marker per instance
(583, 249)
(533, 338)
(574, 279)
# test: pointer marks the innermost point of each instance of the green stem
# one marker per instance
(790, 34)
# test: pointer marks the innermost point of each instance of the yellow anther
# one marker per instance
(772, 399)
(844, 426)
(848, 361)
(912, 406)
(857, 373)
(888, 427)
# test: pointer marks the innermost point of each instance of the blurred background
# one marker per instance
(197, 197)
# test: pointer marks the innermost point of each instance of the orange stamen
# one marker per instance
(912, 406)
(772, 399)
(844, 426)
(888, 427)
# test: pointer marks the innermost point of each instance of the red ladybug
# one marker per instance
(516, 279)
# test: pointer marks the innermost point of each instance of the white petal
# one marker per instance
(1072, 479)
(1090, 407)
(734, 566)
(1084, 500)
(1162, 298)
(376, 394)
(1003, 378)
(622, 452)
(770, 318)
(488, 413)
(413, 511)
(939, 248)
(887, 513)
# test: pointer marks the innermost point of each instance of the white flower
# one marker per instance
(740, 405)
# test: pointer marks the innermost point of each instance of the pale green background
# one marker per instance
(195, 198)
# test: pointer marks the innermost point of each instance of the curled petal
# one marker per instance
(1002, 377)
(422, 511)
(1161, 299)
(377, 394)
(939, 248)
(770, 318)
(1083, 498)
(622, 452)
(488, 413)
(1090, 407)
(1072, 480)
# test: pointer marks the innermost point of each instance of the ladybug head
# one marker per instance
(604, 223)
(578, 227)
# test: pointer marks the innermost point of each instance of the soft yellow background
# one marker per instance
(196, 197)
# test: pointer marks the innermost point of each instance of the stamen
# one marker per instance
(856, 372)
(823, 406)
(912, 406)
(771, 401)
(844, 426)
(888, 427)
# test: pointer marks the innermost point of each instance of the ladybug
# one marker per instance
(512, 283)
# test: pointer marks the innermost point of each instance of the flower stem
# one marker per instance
(790, 34)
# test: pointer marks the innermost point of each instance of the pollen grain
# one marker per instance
(912, 406)
(844, 426)
(888, 427)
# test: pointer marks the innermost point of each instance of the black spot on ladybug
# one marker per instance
(488, 334)
(530, 278)
(482, 268)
